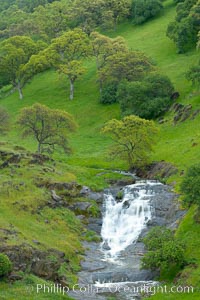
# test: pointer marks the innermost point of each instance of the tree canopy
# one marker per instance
(143, 10)
(133, 139)
(49, 127)
(67, 52)
(184, 30)
(16, 65)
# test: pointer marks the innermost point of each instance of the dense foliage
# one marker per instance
(163, 250)
(190, 186)
(133, 139)
(16, 65)
(4, 120)
(183, 31)
(109, 93)
(143, 10)
(50, 127)
(193, 75)
(5, 265)
(149, 98)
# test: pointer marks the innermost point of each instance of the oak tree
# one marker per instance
(68, 52)
(133, 139)
(130, 65)
(49, 127)
(15, 55)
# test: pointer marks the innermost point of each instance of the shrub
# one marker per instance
(109, 94)
(164, 250)
(142, 10)
(147, 99)
(184, 29)
(193, 75)
(5, 265)
(190, 186)
(4, 120)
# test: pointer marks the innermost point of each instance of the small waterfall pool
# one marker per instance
(124, 220)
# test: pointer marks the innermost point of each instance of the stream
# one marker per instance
(112, 268)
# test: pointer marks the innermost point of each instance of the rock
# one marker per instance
(98, 197)
(54, 196)
(5, 164)
(39, 159)
(155, 170)
(175, 96)
(25, 258)
(80, 217)
(45, 269)
(36, 242)
(106, 246)
(81, 206)
(85, 190)
(183, 112)
(195, 114)
(14, 277)
(57, 253)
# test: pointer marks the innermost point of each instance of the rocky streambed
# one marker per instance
(109, 273)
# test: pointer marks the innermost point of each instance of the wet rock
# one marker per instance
(105, 246)
(94, 224)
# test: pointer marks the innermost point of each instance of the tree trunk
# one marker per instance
(71, 97)
(100, 86)
(39, 148)
(20, 92)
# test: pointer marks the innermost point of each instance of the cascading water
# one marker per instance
(124, 221)
(114, 267)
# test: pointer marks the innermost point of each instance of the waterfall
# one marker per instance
(124, 220)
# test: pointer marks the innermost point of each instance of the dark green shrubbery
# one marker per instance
(193, 75)
(147, 99)
(109, 93)
(184, 29)
(5, 265)
(164, 250)
(143, 10)
(190, 186)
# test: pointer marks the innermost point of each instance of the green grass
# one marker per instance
(89, 160)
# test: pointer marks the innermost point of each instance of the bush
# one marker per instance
(147, 99)
(164, 250)
(183, 31)
(5, 265)
(190, 186)
(142, 10)
(193, 75)
(109, 94)
(4, 120)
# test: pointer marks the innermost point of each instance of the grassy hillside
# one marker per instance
(175, 144)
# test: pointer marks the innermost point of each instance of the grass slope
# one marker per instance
(90, 147)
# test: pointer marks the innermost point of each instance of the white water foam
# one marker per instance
(124, 221)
